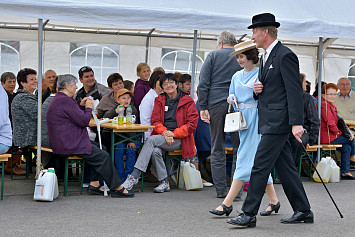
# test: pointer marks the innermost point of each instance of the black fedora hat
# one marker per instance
(264, 19)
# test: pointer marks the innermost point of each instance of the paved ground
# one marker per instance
(177, 213)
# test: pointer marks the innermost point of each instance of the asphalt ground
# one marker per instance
(175, 213)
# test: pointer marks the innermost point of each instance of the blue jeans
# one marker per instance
(125, 170)
(4, 148)
(347, 150)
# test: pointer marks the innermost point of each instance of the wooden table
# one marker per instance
(350, 123)
(120, 131)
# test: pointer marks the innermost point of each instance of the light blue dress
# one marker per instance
(242, 87)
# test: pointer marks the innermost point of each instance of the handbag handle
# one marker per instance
(230, 106)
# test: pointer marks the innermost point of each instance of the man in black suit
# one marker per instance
(280, 104)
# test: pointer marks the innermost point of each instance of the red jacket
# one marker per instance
(329, 120)
(186, 119)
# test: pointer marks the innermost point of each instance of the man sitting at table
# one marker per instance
(345, 104)
(67, 133)
(345, 101)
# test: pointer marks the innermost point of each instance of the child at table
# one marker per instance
(123, 97)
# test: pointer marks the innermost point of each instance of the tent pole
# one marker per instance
(39, 114)
(320, 60)
(193, 68)
(147, 44)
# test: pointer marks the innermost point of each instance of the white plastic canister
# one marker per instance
(334, 172)
(323, 168)
(46, 188)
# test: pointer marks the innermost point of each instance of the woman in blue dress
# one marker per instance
(241, 92)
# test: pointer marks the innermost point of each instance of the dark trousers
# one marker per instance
(102, 167)
(218, 155)
(275, 150)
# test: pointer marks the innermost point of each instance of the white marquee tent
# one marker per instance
(172, 24)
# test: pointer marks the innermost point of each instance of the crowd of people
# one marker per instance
(269, 97)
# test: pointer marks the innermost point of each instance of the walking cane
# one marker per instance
(341, 215)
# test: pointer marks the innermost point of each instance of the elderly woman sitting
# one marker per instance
(175, 118)
(67, 133)
(329, 131)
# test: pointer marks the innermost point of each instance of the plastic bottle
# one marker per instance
(46, 188)
(120, 115)
(323, 168)
(129, 115)
(335, 172)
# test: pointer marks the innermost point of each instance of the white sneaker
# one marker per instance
(207, 184)
(129, 182)
(163, 187)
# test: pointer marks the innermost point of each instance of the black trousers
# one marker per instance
(274, 150)
(102, 167)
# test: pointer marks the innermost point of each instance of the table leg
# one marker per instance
(113, 146)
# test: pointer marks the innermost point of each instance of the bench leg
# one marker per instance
(2, 179)
(82, 176)
(142, 181)
(66, 176)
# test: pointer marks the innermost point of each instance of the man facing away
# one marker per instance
(215, 78)
(280, 104)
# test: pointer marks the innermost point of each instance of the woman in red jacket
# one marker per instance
(175, 118)
(329, 132)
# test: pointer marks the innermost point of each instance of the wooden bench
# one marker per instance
(3, 158)
(69, 163)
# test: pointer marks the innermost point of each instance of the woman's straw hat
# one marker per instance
(242, 47)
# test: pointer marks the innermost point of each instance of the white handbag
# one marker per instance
(234, 121)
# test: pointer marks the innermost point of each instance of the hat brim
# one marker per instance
(265, 23)
(126, 92)
(241, 50)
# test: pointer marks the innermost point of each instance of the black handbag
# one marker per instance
(343, 128)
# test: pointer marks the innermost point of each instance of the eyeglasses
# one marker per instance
(171, 82)
(332, 94)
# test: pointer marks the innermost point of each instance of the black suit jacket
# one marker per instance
(281, 102)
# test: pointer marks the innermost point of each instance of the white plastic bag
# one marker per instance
(192, 177)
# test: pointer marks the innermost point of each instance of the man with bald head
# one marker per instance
(48, 81)
(345, 101)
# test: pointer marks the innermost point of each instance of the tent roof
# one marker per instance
(298, 18)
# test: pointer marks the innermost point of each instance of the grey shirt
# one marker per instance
(24, 119)
(215, 78)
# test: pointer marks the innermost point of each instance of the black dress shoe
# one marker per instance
(273, 208)
(95, 190)
(226, 210)
(121, 194)
(346, 176)
(243, 221)
(298, 217)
